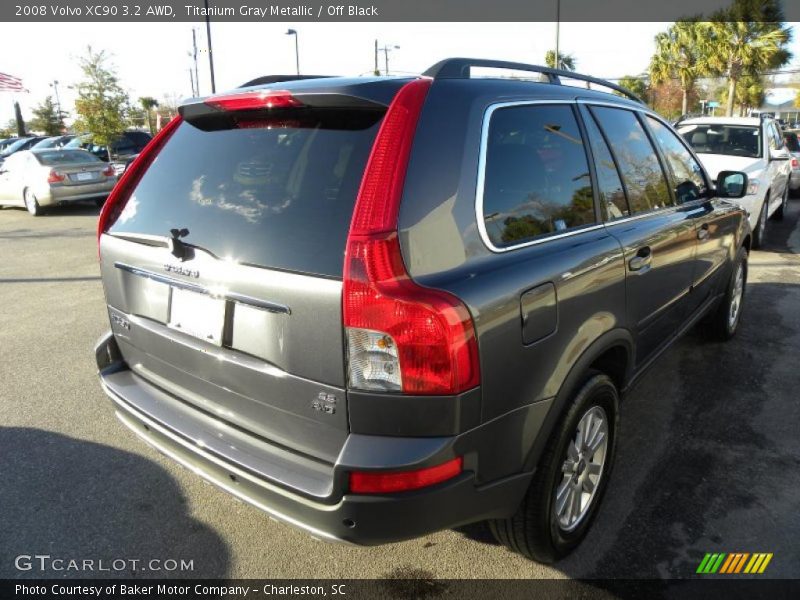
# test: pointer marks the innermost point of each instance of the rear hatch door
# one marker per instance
(223, 271)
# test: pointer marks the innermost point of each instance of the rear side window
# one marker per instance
(637, 159)
(686, 171)
(791, 142)
(536, 179)
(272, 193)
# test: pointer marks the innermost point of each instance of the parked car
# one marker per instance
(379, 307)
(5, 143)
(750, 144)
(123, 150)
(37, 179)
(790, 137)
(58, 141)
(19, 145)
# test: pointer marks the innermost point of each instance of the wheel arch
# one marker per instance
(613, 354)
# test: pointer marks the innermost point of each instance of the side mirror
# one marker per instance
(775, 154)
(731, 184)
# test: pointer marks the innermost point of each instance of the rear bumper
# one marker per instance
(299, 491)
(63, 194)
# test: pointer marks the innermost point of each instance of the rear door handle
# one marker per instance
(642, 260)
(703, 233)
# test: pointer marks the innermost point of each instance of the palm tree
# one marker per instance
(565, 61)
(747, 39)
(680, 54)
(148, 104)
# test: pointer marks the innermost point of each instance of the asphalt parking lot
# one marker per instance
(708, 456)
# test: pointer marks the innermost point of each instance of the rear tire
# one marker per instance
(780, 213)
(539, 530)
(761, 227)
(723, 323)
(32, 204)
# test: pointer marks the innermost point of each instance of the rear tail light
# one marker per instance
(109, 171)
(129, 180)
(400, 335)
(795, 164)
(372, 482)
(256, 100)
(55, 176)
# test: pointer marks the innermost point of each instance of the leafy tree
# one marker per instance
(749, 37)
(148, 104)
(634, 84)
(101, 100)
(10, 130)
(750, 93)
(565, 61)
(681, 54)
(46, 118)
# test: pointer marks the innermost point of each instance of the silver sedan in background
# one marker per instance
(37, 179)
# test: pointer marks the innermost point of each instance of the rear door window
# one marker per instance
(637, 160)
(272, 193)
(536, 179)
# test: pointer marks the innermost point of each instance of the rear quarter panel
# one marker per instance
(443, 249)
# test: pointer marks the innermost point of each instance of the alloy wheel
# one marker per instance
(582, 469)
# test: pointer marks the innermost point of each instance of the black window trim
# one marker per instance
(656, 211)
(479, 189)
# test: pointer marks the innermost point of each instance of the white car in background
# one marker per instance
(750, 144)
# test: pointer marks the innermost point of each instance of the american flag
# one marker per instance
(9, 83)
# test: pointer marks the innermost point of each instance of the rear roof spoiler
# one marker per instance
(265, 79)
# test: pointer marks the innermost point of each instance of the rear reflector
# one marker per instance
(130, 179)
(372, 482)
(402, 337)
(257, 100)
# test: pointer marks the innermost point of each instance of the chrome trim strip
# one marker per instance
(484, 234)
(201, 289)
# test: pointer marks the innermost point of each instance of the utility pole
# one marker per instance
(558, 25)
(296, 48)
(54, 85)
(195, 92)
(191, 81)
(376, 71)
(210, 53)
(386, 49)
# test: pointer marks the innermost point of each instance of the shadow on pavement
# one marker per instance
(79, 500)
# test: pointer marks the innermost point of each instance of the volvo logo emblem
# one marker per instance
(180, 270)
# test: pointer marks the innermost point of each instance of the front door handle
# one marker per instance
(703, 233)
(642, 260)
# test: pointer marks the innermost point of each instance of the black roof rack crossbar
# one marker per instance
(459, 68)
(278, 78)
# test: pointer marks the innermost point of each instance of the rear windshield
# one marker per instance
(277, 194)
(65, 157)
(733, 140)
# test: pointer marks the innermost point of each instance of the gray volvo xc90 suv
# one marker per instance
(378, 307)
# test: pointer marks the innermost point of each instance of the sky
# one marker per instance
(153, 59)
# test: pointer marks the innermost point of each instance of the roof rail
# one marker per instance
(278, 78)
(459, 68)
